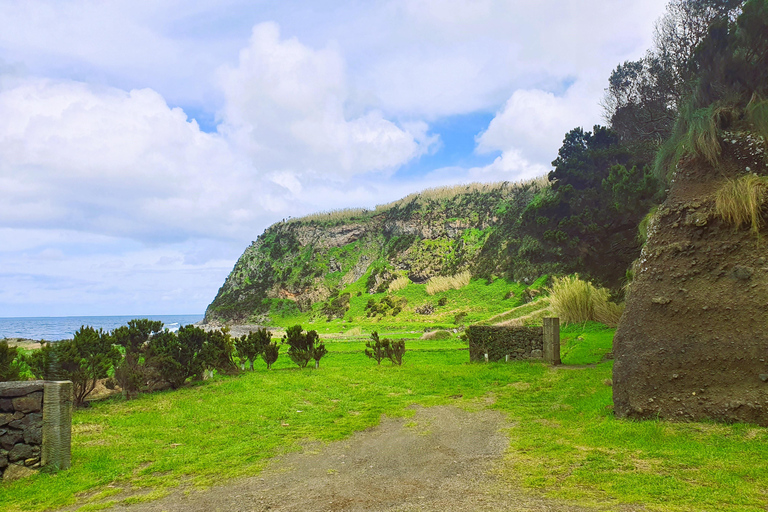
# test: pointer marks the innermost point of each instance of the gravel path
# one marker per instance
(439, 460)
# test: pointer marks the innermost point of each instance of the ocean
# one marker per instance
(64, 327)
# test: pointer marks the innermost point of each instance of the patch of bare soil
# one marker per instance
(693, 340)
(439, 460)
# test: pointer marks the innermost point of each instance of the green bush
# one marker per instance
(270, 354)
(133, 374)
(303, 346)
(10, 362)
(218, 352)
(177, 357)
(85, 359)
(376, 348)
(395, 351)
(250, 346)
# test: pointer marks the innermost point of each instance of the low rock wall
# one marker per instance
(28, 421)
(505, 343)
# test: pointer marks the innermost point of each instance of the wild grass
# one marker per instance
(564, 442)
(398, 284)
(451, 191)
(698, 132)
(339, 215)
(741, 201)
(646, 225)
(577, 301)
(444, 283)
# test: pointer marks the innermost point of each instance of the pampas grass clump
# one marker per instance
(399, 283)
(576, 301)
(444, 283)
(741, 201)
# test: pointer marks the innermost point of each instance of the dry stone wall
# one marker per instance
(26, 416)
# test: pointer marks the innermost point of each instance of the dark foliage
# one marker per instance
(218, 352)
(10, 362)
(250, 346)
(270, 354)
(177, 356)
(377, 348)
(133, 374)
(395, 351)
(302, 345)
(85, 359)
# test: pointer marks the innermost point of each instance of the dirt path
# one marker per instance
(436, 461)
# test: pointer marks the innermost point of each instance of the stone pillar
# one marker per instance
(552, 340)
(57, 424)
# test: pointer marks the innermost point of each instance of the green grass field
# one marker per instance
(564, 443)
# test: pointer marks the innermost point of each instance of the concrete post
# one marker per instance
(552, 340)
(57, 424)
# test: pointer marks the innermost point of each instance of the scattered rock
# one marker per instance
(17, 472)
(741, 272)
(661, 300)
(764, 377)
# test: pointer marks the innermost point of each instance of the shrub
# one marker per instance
(10, 359)
(271, 351)
(251, 345)
(399, 283)
(85, 359)
(741, 201)
(437, 335)
(218, 351)
(439, 284)
(376, 348)
(133, 374)
(177, 356)
(426, 309)
(303, 346)
(443, 301)
(318, 351)
(576, 301)
(395, 351)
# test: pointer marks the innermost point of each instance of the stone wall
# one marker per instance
(30, 422)
(505, 343)
(499, 342)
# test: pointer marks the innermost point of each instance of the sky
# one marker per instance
(145, 144)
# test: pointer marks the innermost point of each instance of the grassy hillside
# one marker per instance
(328, 266)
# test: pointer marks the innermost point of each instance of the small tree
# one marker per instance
(318, 348)
(251, 345)
(395, 351)
(218, 351)
(270, 353)
(300, 345)
(85, 359)
(376, 348)
(176, 357)
(10, 359)
(132, 374)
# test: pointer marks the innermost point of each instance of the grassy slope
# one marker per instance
(564, 443)
(479, 300)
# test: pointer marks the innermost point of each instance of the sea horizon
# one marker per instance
(54, 328)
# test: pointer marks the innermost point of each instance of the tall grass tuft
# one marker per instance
(576, 301)
(741, 201)
(399, 283)
(444, 283)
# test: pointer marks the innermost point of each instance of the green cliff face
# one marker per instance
(298, 263)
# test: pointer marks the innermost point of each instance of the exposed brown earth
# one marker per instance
(439, 460)
(693, 343)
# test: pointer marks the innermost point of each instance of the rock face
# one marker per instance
(692, 343)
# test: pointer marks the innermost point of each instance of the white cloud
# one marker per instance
(530, 128)
(122, 163)
(285, 105)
